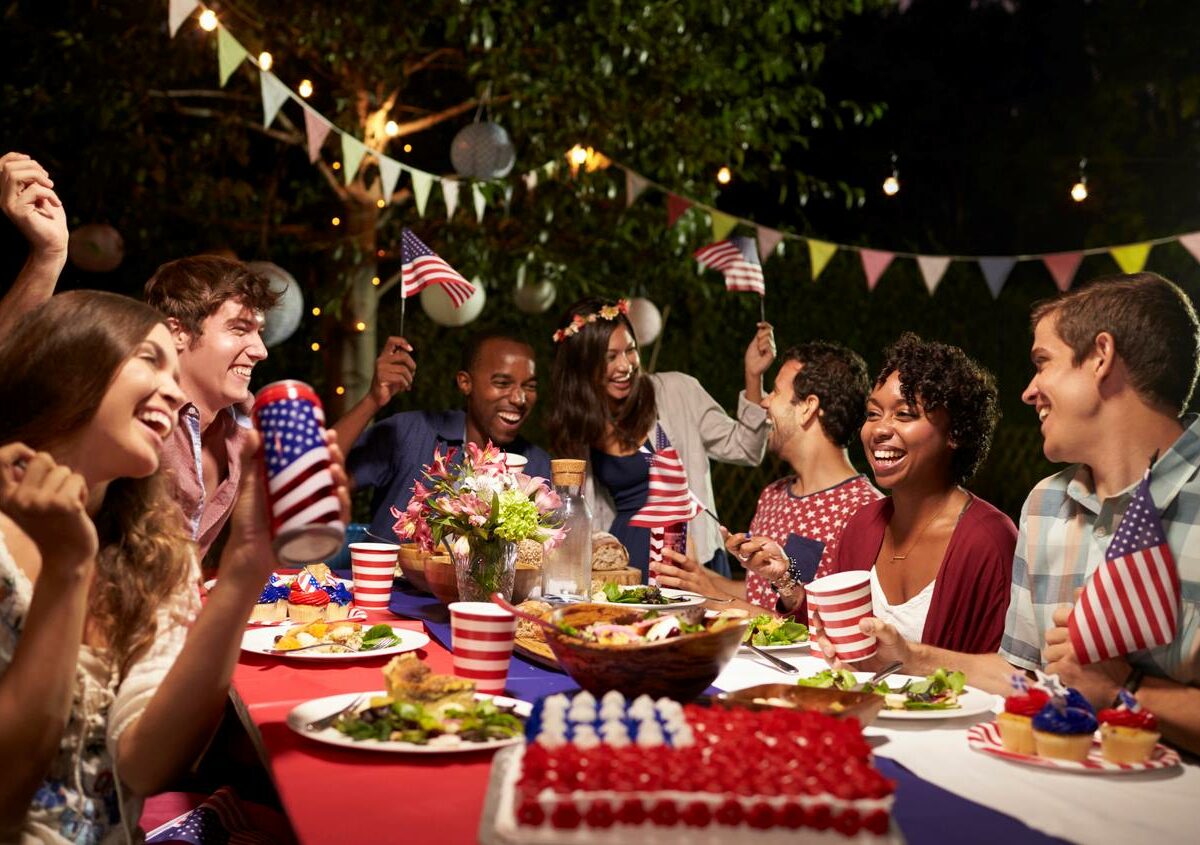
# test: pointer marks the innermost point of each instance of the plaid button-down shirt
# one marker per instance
(1065, 531)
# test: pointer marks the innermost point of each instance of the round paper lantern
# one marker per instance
(482, 151)
(535, 297)
(96, 248)
(646, 320)
(441, 310)
(284, 317)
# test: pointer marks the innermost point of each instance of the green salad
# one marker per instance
(766, 629)
(615, 594)
(404, 721)
(939, 691)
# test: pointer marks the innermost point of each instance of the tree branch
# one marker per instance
(420, 64)
(213, 114)
(423, 123)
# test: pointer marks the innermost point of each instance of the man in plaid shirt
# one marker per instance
(1116, 363)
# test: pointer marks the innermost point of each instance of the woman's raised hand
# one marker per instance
(761, 351)
(49, 503)
(760, 555)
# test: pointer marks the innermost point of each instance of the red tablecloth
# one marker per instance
(331, 794)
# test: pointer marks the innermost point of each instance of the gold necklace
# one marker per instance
(916, 539)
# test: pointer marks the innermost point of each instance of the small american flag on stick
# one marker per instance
(737, 259)
(423, 267)
(1131, 602)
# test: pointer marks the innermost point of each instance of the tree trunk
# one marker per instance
(353, 363)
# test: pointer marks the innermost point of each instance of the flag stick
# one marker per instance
(762, 309)
(403, 299)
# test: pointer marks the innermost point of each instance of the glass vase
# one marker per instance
(486, 567)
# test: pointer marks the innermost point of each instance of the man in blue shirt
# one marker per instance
(498, 380)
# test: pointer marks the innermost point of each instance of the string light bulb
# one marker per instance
(340, 390)
(408, 148)
(724, 176)
(316, 312)
(392, 128)
(578, 155)
(265, 61)
(1079, 191)
(337, 221)
(316, 347)
(305, 89)
(360, 326)
(375, 280)
(891, 185)
(337, 165)
(208, 20)
(381, 202)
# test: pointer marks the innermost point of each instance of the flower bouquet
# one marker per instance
(479, 510)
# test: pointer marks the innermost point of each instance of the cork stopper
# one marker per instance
(567, 472)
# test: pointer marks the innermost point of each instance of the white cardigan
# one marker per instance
(700, 430)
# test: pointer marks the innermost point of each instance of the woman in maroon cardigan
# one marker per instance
(940, 557)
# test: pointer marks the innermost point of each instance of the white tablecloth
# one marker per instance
(1161, 806)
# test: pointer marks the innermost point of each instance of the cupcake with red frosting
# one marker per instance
(1016, 722)
(307, 606)
(1128, 733)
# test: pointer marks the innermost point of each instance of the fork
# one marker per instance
(326, 721)
(307, 647)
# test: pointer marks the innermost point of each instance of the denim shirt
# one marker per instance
(392, 453)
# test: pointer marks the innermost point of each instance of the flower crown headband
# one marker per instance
(578, 321)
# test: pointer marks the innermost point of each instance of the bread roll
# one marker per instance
(531, 630)
(607, 553)
(529, 553)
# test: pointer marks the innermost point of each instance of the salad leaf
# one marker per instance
(766, 629)
(377, 632)
(842, 679)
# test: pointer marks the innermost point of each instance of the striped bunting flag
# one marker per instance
(423, 267)
(1131, 602)
(737, 259)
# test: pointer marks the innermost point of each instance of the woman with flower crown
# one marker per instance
(608, 411)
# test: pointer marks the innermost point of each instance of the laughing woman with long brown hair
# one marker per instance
(610, 412)
(111, 676)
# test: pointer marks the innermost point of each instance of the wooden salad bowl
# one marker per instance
(680, 667)
(441, 578)
(412, 566)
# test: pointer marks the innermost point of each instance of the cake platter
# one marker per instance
(985, 738)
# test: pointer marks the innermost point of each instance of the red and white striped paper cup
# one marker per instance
(843, 600)
(373, 566)
(481, 638)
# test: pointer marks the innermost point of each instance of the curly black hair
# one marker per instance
(936, 375)
(837, 376)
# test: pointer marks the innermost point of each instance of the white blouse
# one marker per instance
(907, 618)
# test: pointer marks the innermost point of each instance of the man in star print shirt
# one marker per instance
(815, 408)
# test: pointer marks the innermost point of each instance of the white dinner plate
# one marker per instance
(800, 646)
(972, 702)
(689, 600)
(262, 641)
(985, 737)
(315, 709)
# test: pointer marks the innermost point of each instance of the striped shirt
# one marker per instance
(1065, 531)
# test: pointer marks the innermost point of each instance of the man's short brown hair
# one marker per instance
(191, 289)
(1153, 324)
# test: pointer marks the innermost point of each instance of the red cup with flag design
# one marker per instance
(481, 639)
(302, 504)
(373, 566)
(842, 600)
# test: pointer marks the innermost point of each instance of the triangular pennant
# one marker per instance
(1131, 258)
(819, 253)
(722, 224)
(550, 168)
(531, 181)
(768, 239)
(874, 262)
(676, 206)
(317, 129)
(230, 54)
(389, 175)
(933, 267)
(450, 194)
(1062, 266)
(422, 183)
(353, 151)
(178, 12)
(995, 271)
(1191, 242)
(274, 95)
(477, 196)
(635, 184)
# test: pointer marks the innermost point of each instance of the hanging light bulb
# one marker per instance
(340, 390)
(316, 347)
(306, 88)
(392, 128)
(380, 203)
(316, 312)
(724, 176)
(265, 61)
(891, 185)
(578, 155)
(360, 326)
(208, 20)
(408, 148)
(1079, 191)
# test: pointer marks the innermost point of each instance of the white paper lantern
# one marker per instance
(535, 297)
(441, 310)
(646, 320)
(96, 248)
(284, 318)
(482, 151)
